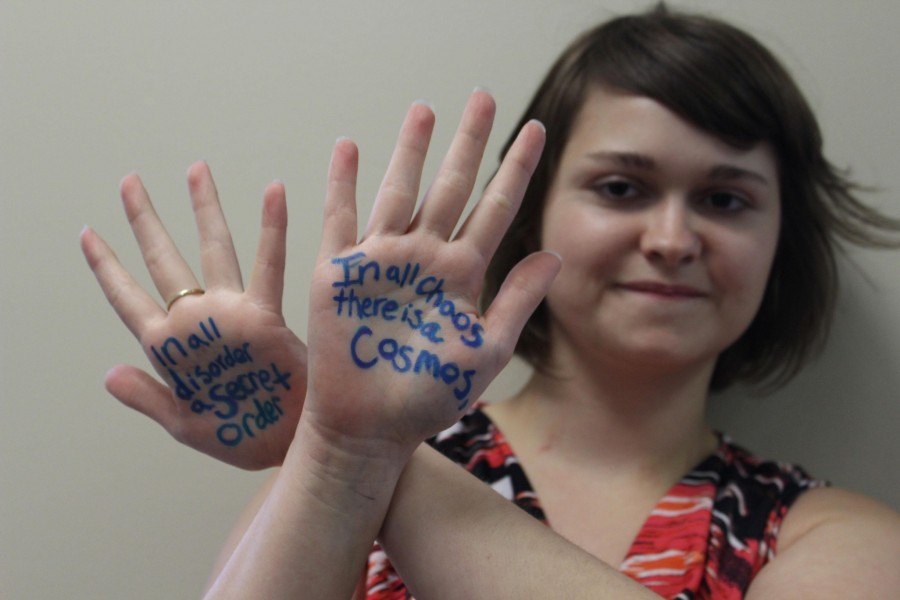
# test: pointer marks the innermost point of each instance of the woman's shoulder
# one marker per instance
(809, 523)
(750, 497)
(778, 476)
(835, 509)
(834, 543)
(752, 479)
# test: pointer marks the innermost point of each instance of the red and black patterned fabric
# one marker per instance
(705, 539)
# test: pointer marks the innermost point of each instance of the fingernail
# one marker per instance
(481, 88)
(554, 253)
(539, 124)
(425, 102)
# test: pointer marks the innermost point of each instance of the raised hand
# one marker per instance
(235, 374)
(397, 347)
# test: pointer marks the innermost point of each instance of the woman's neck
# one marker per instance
(611, 419)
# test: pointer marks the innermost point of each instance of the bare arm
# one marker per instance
(243, 523)
(833, 544)
(396, 352)
(471, 541)
(313, 532)
(451, 536)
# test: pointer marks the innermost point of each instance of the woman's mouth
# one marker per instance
(663, 289)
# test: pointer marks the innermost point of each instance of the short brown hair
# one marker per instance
(725, 82)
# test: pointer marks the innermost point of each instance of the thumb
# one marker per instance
(140, 391)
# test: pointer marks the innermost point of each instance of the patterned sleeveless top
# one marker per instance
(705, 539)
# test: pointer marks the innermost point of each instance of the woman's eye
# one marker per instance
(617, 189)
(725, 201)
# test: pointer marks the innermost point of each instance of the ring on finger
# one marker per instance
(182, 294)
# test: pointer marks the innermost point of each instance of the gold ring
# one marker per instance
(182, 294)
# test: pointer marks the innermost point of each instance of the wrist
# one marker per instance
(318, 522)
(345, 470)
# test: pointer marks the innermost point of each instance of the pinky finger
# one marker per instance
(519, 296)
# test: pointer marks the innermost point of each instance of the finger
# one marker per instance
(399, 191)
(168, 269)
(339, 227)
(140, 391)
(519, 296)
(218, 259)
(491, 217)
(450, 191)
(134, 306)
(266, 286)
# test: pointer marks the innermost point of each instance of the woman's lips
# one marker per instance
(664, 290)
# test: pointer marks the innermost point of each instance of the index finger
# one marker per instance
(168, 269)
(134, 306)
(339, 227)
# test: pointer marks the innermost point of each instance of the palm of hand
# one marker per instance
(235, 374)
(397, 349)
(403, 331)
(236, 377)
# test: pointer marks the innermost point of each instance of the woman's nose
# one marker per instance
(669, 237)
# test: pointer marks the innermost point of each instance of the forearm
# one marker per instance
(451, 536)
(376, 388)
(240, 527)
(311, 536)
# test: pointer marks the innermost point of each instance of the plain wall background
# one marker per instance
(97, 501)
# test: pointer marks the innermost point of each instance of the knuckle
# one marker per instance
(397, 188)
(500, 200)
(456, 182)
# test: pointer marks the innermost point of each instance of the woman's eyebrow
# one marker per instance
(732, 172)
(626, 159)
(636, 160)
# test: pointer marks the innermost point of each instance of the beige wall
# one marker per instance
(97, 501)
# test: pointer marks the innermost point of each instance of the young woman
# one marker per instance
(684, 188)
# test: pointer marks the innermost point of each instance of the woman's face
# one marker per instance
(667, 236)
